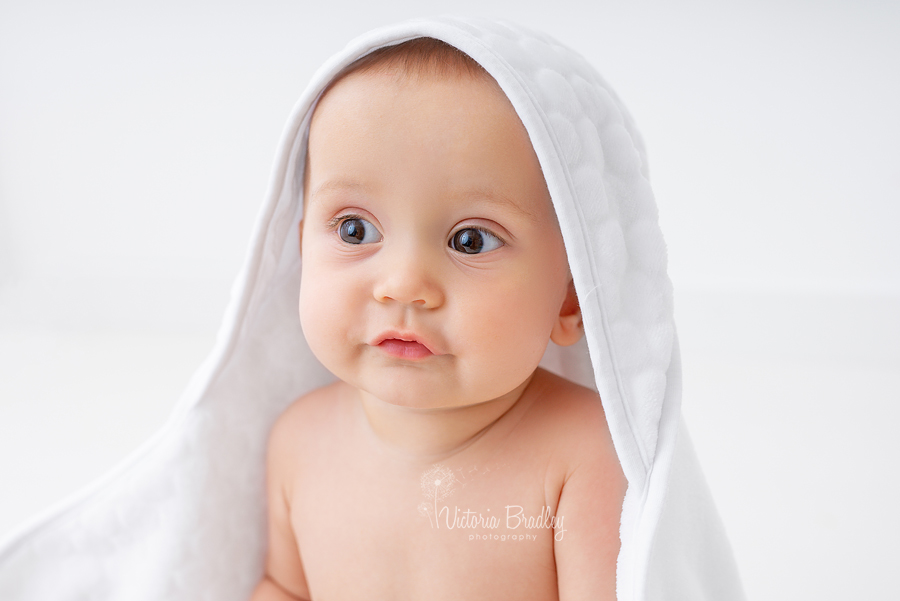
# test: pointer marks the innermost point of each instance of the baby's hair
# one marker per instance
(414, 59)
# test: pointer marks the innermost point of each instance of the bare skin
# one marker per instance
(354, 501)
(444, 464)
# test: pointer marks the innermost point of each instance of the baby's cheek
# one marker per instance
(315, 319)
(327, 316)
(515, 334)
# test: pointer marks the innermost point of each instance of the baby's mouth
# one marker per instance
(404, 349)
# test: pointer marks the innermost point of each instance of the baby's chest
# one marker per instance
(449, 532)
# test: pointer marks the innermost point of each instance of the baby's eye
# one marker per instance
(355, 230)
(473, 241)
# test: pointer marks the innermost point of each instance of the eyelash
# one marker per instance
(336, 221)
(478, 228)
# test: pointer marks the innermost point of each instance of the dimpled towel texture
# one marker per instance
(183, 518)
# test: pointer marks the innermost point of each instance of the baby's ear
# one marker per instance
(568, 327)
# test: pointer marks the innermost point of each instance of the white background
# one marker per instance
(135, 146)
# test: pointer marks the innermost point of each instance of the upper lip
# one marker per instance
(405, 336)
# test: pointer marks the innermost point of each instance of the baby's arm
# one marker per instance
(284, 579)
(591, 504)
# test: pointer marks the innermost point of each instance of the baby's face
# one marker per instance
(433, 267)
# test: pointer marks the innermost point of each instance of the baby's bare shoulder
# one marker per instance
(570, 418)
(305, 420)
(313, 407)
(565, 404)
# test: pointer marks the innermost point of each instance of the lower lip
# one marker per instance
(403, 349)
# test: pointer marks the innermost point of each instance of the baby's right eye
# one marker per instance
(356, 230)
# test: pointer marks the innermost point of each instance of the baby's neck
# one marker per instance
(435, 434)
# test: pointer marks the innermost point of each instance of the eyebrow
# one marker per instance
(497, 198)
(471, 194)
(337, 184)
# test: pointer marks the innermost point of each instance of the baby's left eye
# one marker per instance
(473, 241)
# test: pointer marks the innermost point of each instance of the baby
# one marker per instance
(443, 463)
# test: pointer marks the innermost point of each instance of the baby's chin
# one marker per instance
(417, 398)
(420, 394)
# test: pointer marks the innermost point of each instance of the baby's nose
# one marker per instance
(408, 278)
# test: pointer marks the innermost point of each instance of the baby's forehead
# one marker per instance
(453, 84)
(420, 62)
(463, 118)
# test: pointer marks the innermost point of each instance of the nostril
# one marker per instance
(408, 287)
